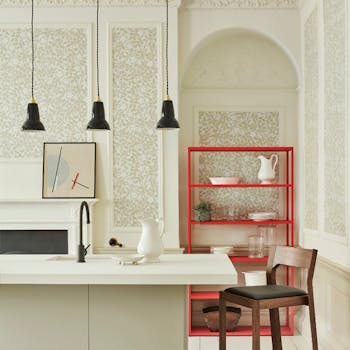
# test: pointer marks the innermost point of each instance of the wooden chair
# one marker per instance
(273, 296)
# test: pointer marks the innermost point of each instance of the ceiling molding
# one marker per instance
(89, 3)
(154, 3)
(240, 4)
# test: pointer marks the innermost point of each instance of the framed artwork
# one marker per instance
(69, 170)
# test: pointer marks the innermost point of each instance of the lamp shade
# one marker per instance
(168, 121)
(33, 122)
(98, 120)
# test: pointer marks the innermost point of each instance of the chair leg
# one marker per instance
(222, 322)
(313, 323)
(275, 329)
(256, 327)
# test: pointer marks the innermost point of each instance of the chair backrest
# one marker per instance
(290, 256)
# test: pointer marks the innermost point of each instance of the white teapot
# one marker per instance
(266, 173)
(150, 244)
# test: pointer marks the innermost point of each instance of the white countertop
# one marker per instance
(173, 269)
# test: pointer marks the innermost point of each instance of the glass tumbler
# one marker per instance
(255, 246)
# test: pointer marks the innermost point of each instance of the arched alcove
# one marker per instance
(239, 59)
(239, 88)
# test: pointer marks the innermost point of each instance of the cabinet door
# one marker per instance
(43, 317)
(138, 317)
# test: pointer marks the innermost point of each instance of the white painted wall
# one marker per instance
(325, 67)
(20, 177)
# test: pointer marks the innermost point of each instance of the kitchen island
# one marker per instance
(59, 304)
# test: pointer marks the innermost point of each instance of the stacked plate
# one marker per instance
(262, 216)
(221, 250)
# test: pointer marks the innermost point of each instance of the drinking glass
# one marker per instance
(255, 246)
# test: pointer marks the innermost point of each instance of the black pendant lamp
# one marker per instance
(168, 120)
(33, 122)
(98, 120)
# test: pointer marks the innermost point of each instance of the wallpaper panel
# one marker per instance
(60, 88)
(135, 66)
(231, 128)
(311, 171)
(335, 159)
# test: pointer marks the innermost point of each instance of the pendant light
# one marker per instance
(167, 121)
(98, 120)
(33, 122)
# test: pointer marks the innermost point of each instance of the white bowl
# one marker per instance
(224, 180)
(221, 250)
(124, 259)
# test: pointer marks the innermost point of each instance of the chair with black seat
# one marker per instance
(273, 296)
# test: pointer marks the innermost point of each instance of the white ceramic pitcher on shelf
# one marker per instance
(151, 244)
(267, 173)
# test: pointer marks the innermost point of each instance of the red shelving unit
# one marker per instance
(287, 222)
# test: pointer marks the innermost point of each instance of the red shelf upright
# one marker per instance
(288, 222)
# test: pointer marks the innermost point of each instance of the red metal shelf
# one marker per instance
(240, 149)
(235, 258)
(239, 331)
(239, 185)
(286, 187)
(204, 295)
(242, 222)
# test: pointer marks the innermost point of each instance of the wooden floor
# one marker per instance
(236, 343)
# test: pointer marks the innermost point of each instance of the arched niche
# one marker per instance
(239, 59)
(239, 88)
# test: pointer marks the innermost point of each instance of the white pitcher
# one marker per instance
(150, 244)
(266, 173)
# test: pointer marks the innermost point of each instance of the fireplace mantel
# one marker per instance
(42, 214)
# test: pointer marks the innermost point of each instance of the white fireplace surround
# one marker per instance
(47, 214)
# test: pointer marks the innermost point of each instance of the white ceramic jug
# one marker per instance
(150, 244)
(267, 169)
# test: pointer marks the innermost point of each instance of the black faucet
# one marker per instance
(82, 251)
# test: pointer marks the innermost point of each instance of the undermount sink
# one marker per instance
(96, 257)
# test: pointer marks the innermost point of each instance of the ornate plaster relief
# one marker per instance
(335, 93)
(241, 3)
(135, 67)
(234, 128)
(240, 60)
(61, 88)
(184, 3)
(311, 60)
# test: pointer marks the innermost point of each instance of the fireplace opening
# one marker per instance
(33, 241)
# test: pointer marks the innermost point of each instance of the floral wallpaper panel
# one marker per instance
(234, 128)
(135, 66)
(335, 93)
(311, 171)
(60, 88)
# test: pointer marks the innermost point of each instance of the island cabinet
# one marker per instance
(44, 317)
(229, 224)
(58, 304)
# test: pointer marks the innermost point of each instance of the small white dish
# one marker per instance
(233, 180)
(261, 216)
(130, 259)
(221, 250)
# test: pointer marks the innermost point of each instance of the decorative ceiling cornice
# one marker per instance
(240, 3)
(150, 3)
(88, 3)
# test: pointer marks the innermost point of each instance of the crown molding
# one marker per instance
(89, 3)
(154, 3)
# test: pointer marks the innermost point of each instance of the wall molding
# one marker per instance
(288, 4)
(90, 3)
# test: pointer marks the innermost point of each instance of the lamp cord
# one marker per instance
(97, 52)
(167, 48)
(32, 28)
